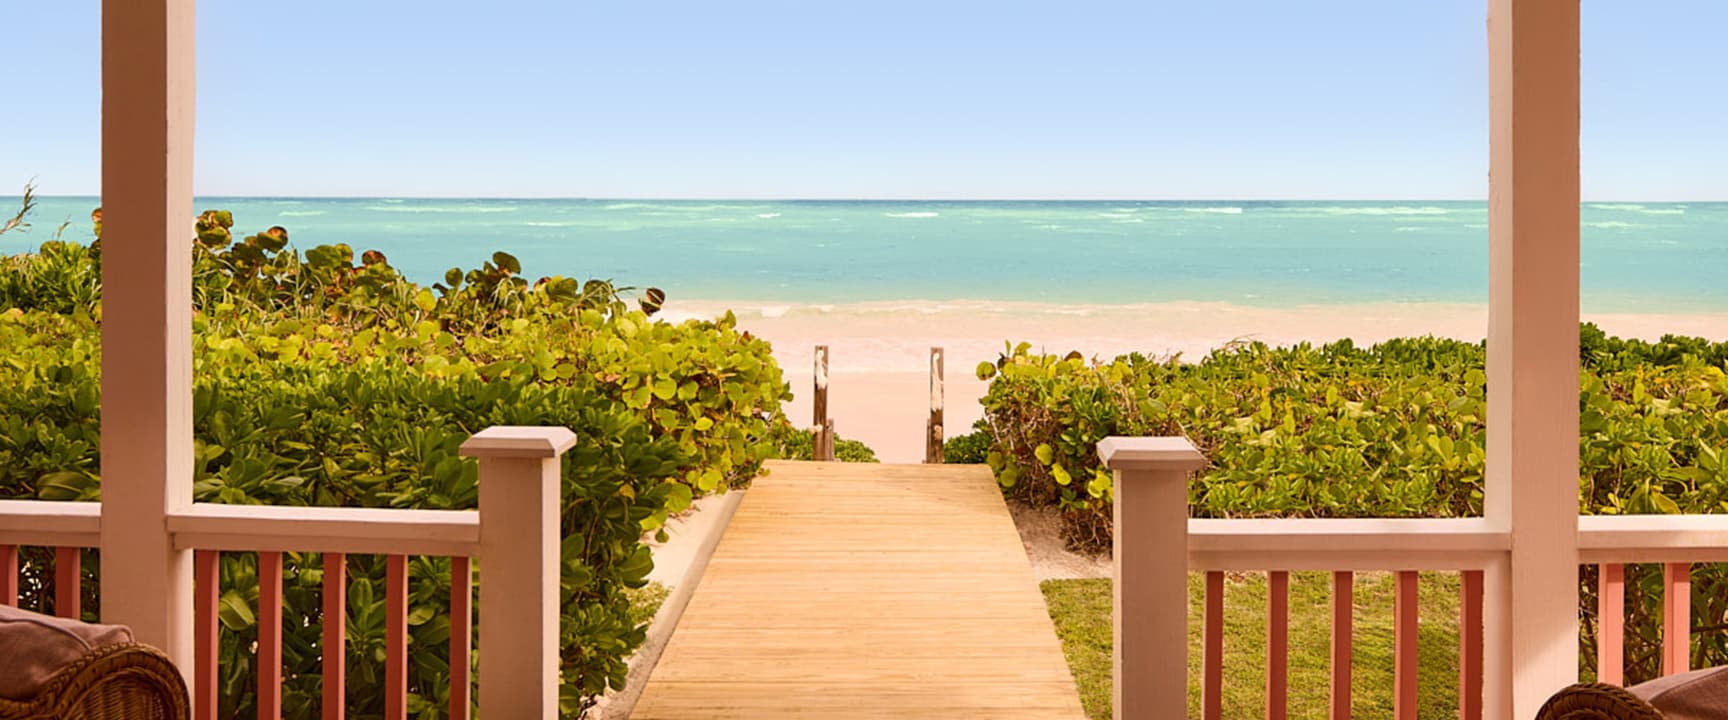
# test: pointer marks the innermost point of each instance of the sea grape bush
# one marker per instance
(326, 379)
(1393, 430)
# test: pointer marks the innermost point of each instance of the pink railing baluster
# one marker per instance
(396, 638)
(461, 637)
(269, 635)
(1277, 645)
(1212, 669)
(9, 575)
(1676, 618)
(335, 633)
(1470, 646)
(1404, 657)
(206, 594)
(1611, 624)
(1343, 624)
(68, 582)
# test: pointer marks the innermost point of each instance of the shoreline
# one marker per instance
(879, 382)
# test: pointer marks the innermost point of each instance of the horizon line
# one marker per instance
(699, 198)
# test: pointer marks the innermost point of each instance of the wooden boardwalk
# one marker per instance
(865, 591)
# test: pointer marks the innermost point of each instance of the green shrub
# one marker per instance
(1395, 430)
(800, 444)
(973, 448)
(321, 381)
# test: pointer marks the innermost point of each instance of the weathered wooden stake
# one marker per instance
(820, 422)
(933, 428)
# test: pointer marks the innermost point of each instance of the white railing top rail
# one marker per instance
(1343, 544)
(360, 531)
(50, 524)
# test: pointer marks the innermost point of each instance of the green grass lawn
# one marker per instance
(1081, 611)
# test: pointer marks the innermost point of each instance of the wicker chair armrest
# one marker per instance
(1596, 701)
(125, 681)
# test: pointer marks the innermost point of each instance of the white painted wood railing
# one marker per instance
(1157, 545)
(515, 531)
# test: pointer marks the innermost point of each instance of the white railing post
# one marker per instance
(1530, 608)
(1151, 571)
(519, 568)
(147, 108)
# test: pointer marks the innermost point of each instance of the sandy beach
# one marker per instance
(879, 387)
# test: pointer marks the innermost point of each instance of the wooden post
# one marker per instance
(933, 434)
(1151, 561)
(519, 567)
(1530, 609)
(147, 107)
(822, 424)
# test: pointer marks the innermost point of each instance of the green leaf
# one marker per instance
(1664, 504)
(235, 612)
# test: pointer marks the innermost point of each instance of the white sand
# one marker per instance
(879, 387)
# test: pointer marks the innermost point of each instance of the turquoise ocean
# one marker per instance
(1637, 257)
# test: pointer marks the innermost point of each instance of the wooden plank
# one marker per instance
(396, 637)
(69, 582)
(910, 606)
(1611, 625)
(335, 637)
(203, 684)
(1676, 618)
(1343, 624)
(1277, 645)
(1470, 646)
(269, 636)
(461, 638)
(9, 575)
(1405, 629)
(1212, 654)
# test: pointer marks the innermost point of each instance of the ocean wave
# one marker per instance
(1397, 210)
(1214, 210)
(450, 210)
(300, 213)
(628, 206)
(1409, 228)
(1610, 225)
(767, 216)
(1638, 208)
(1115, 215)
(551, 224)
(912, 215)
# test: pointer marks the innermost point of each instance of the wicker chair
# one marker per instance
(57, 669)
(1695, 695)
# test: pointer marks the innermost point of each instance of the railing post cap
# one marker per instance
(1174, 454)
(519, 441)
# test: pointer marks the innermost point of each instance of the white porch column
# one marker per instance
(147, 79)
(1531, 607)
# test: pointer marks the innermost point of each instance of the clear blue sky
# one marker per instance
(889, 98)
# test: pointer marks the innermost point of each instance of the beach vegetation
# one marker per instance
(794, 443)
(326, 377)
(1393, 430)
